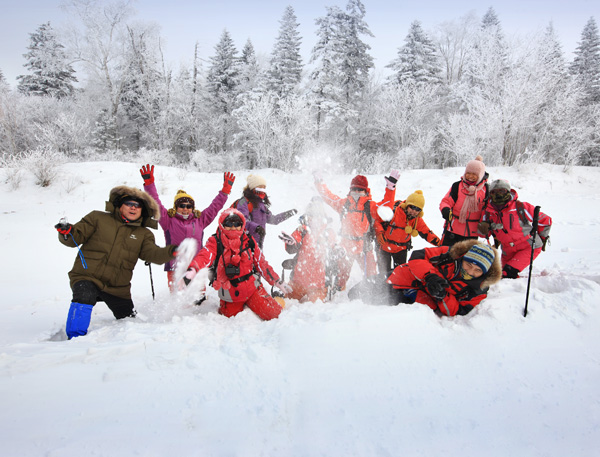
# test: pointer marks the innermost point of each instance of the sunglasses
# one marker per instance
(233, 223)
(185, 206)
(499, 191)
(132, 204)
(414, 208)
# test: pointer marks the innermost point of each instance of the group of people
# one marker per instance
(451, 278)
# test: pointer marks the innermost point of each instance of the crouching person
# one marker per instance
(238, 265)
(450, 281)
(110, 244)
(315, 261)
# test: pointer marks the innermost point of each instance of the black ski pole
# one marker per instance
(534, 227)
(151, 281)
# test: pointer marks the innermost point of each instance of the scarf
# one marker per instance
(470, 205)
(232, 243)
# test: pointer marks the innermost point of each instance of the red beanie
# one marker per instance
(360, 182)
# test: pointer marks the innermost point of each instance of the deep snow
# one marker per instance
(344, 378)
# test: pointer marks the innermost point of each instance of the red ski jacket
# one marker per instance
(461, 295)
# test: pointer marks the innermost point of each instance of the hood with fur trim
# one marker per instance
(493, 275)
(150, 209)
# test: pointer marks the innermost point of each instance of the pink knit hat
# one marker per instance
(477, 167)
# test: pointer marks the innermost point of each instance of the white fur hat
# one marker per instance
(255, 181)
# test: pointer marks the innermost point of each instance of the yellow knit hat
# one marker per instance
(415, 199)
(183, 197)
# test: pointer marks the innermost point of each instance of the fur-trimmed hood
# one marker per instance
(493, 275)
(150, 209)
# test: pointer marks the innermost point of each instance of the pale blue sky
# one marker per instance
(184, 22)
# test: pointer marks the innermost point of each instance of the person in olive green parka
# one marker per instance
(111, 242)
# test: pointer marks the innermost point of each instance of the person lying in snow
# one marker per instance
(509, 221)
(111, 242)
(450, 280)
(238, 265)
(395, 227)
(314, 246)
(184, 220)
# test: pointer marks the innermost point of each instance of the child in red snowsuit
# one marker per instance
(357, 211)
(450, 281)
(238, 266)
(510, 222)
(394, 235)
(314, 245)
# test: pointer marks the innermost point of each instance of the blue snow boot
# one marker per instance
(78, 319)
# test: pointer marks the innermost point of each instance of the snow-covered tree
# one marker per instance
(586, 65)
(3, 82)
(356, 62)
(285, 68)
(418, 62)
(144, 88)
(222, 87)
(51, 72)
(453, 40)
(342, 68)
(249, 70)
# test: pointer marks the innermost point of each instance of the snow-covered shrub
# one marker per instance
(12, 170)
(44, 162)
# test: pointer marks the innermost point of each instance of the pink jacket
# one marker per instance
(455, 201)
(177, 228)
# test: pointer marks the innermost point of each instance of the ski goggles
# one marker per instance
(236, 223)
(132, 204)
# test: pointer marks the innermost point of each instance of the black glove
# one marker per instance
(441, 259)
(290, 213)
(510, 272)
(63, 228)
(260, 230)
(435, 286)
(447, 213)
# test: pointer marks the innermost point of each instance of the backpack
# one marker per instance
(220, 248)
(250, 205)
(347, 211)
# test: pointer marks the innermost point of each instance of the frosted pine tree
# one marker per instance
(356, 62)
(325, 77)
(285, 69)
(249, 70)
(52, 74)
(586, 65)
(223, 86)
(343, 64)
(489, 56)
(418, 61)
(3, 82)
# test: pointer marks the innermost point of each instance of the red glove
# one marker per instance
(380, 239)
(147, 173)
(228, 180)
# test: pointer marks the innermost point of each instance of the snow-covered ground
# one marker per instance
(345, 378)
